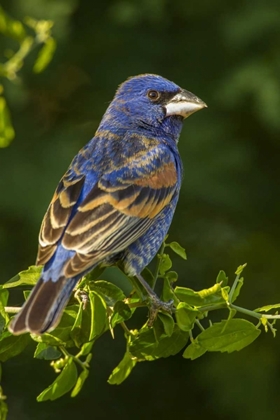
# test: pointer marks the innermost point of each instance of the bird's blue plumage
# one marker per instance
(116, 200)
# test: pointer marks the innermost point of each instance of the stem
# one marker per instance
(124, 327)
(253, 313)
(232, 290)
(12, 309)
(77, 360)
(158, 264)
(199, 325)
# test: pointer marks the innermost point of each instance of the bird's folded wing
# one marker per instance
(119, 209)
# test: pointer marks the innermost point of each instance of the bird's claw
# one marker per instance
(158, 305)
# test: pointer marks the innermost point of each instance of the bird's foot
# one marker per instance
(157, 305)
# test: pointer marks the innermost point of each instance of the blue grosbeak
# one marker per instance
(116, 201)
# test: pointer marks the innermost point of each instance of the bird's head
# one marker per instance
(152, 102)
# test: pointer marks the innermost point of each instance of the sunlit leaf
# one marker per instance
(268, 308)
(99, 319)
(123, 370)
(63, 383)
(121, 313)
(11, 27)
(240, 268)
(178, 249)
(7, 132)
(4, 295)
(185, 316)
(238, 334)
(237, 289)
(201, 298)
(45, 55)
(26, 277)
(80, 382)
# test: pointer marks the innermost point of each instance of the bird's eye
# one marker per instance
(153, 95)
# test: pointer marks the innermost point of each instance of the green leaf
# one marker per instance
(168, 292)
(29, 276)
(45, 55)
(62, 384)
(185, 316)
(4, 295)
(99, 319)
(240, 269)
(123, 370)
(165, 264)
(110, 293)
(145, 347)
(194, 351)
(11, 345)
(238, 334)
(222, 278)
(43, 351)
(268, 308)
(168, 323)
(158, 328)
(80, 382)
(171, 276)
(10, 27)
(7, 132)
(122, 312)
(201, 298)
(237, 289)
(178, 249)
(86, 348)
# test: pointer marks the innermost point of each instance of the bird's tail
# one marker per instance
(44, 307)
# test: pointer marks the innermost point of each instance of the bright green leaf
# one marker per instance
(171, 276)
(240, 269)
(178, 249)
(63, 383)
(185, 316)
(45, 55)
(238, 334)
(29, 276)
(80, 382)
(4, 295)
(7, 132)
(237, 289)
(99, 319)
(201, 298)
(123, 370)
(268, 308)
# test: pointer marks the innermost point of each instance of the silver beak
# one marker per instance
(184, 104)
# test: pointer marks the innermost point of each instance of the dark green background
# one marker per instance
(228, 53)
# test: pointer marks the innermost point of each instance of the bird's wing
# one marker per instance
(119, 208)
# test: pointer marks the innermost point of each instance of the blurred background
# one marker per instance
(227, 53)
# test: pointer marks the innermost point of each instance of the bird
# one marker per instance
(116, 201)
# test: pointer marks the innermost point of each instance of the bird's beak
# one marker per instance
(184, 104)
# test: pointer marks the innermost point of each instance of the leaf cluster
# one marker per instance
(99, 306)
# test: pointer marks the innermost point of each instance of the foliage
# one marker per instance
(102, 306)
(20, 32)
